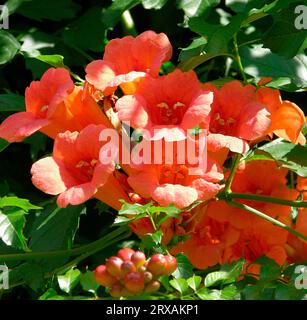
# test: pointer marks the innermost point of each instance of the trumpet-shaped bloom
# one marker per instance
(297, 247)
(74, 171)
(252, 178)
(214, 242)
(43, 99)
(260, 239)
(169, 104)
(173, 184)
(207, 243)
(128, 59)
(287, 119)
(53, 105)
(236, 118)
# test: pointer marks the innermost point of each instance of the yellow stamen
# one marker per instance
(44, 108)
(82, 163)
(231, 120)
(163, 105)
(178, 104)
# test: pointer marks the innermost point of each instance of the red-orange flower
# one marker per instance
(297, 247)
(74, 171)
(173, 184)
(207, 242)
(287, 119)
(261, 177)
(236, 118)
(43, 99)
(170, 105)
(261, 238)
(53, 105)
(128, 59)
(214, 242)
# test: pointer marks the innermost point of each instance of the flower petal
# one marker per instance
(132, 110)
(143, 183)
(220, 141)
(99, 73)
(20, 125)
(198, 112)
(76, 195)
(176, 194)
(50, 176)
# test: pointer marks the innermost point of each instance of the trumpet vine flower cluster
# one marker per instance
(125, 90)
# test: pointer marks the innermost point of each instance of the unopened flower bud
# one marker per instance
(125, 253)
(138, 258)
(114, 266)
(134, 282)
(152, 286)
(103, 277)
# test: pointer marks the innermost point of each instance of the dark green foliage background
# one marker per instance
(78, 30)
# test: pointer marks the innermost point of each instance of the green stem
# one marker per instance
(89, 248)
(268, 218)
(155, 229)
(256, 197)
(76, 260)
(238, 58)
(128, 23)
(87, 254)
(235, 164)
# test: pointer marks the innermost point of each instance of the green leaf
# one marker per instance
(230, 293)
(55, 60)
(12, 6)
(283, 32)
(217, 277)
(11, 229)
(234, 270)
(112, 14)
(11, 102)
(270, 270)
(261, 62)
(34, 42)
(120, 220)
(50, 293)
(218, 35)
(195, 8)
(32, 274)
(251, 292)
(152, 239)
(180, 285)
(133, 209)
(194, 282)
(288, 155)
(164, 280)
(164, 213)
(207, 294)
(69, 280)
(170, 210)
(288, 292)
(196, 48)
(87, 32)
(246, 5)
(9, 47)
(17, 202)
(38, 144)
(184, 269)
(51, 10)
(55, 228)
(88, 282)
(153, 4)
(3, 144)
